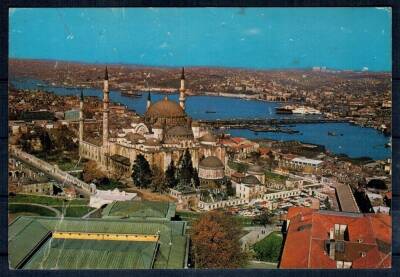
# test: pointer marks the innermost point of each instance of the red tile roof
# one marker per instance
(309, 229)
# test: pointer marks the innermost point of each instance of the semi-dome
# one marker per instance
(179, 131)
(165, 108)
(208, 138)
(134, 137)
(152, 142)
(250, 180)
(211, 162)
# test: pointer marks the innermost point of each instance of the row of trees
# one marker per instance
(184, 175)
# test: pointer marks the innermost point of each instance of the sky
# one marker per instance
(258, 38)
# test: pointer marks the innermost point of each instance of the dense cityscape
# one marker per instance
(165, 166)
(200, 138)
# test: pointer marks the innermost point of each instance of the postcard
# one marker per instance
(172, 138)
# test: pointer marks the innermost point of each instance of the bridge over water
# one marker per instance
(240, 122)
(52, 171)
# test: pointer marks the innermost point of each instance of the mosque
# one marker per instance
(161, 135)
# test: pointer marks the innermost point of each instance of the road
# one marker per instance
(52, 171)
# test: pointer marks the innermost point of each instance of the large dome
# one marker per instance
(165, 108)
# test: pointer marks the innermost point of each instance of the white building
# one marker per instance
(103, 197)
(303, 162)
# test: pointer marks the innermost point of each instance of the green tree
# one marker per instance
(185, 170)
(230, 191)
(195, 178)
(170, 175)
(264, 219)
(46, 141)
(269, 248)
(327, 203)
(141, 172)
(158, 183)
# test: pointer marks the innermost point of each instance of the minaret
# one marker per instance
(148, 101)
(81, 118)
(182, 97)
(106, 111)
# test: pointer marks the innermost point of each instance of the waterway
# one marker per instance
(352, 140)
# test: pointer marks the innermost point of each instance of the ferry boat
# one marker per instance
(285, 110)
(305, 110)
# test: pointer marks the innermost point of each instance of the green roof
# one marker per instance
(140, 209)
(29, 249)
(91, 254)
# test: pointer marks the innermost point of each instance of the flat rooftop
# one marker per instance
(75, 243)
(140, 209)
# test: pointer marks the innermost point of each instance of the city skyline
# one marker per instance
(254, 38)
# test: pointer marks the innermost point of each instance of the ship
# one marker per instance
(285, 110)
(305, 110)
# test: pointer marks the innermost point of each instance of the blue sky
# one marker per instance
(267, 38)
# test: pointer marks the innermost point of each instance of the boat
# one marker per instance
(284, 110)
(305, 110)
(211, 112)
(333, 134)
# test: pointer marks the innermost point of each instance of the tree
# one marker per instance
(185, 169)
(269, 248)
(141, 172)
(195, 178)
(170, 175)
(215, 236)
(327, 203)
(158, 183)
(91, 172)
(230, 191)
(46, 141)
(264, 219)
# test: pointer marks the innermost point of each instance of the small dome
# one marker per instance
(255, 169)
(250, 180)
(211, 162)
(152, 142)
(208, 138)
(165, 108)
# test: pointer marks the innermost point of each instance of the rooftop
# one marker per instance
(307, 161)
(140, 209)
(211, 162)
(32, 244)
(165, 108)
(365, 241)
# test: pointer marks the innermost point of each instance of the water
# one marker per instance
(355, 141)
